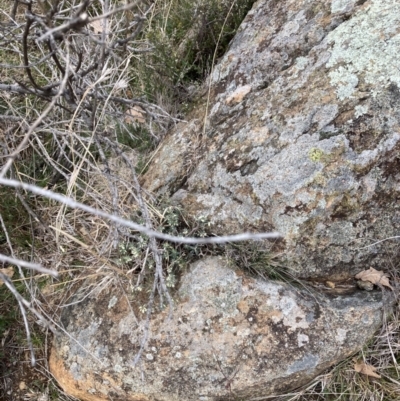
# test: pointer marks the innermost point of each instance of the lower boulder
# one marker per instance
(229, 336)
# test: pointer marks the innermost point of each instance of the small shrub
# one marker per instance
(134, 254)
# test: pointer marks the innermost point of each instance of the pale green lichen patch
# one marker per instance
(345, 82)
(112, 302)
(315, 155)
(366, 44)
(319, 179)
(341, 6)
(360, 110)
(302, 62)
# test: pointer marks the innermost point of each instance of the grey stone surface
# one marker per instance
(230, 335)
(301, 135)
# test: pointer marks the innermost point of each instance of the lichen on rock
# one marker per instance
(298, 131)
(311, 149)
(230, 335)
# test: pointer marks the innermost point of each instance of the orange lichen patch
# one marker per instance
(271, 315)
(243, 306)
(64, 379)
(80, 389)
(264, 345)
(238, 95)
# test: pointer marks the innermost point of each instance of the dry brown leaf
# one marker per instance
(374, 276)
(7, 271)
(365, 369)
(135, 115)
(97, 26)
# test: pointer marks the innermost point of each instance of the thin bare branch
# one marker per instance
(24, 302)
(28, 265)
(21, 90)
(82, 19)
(38, 121)
(378, 242)
(28, 333)
(126, 223)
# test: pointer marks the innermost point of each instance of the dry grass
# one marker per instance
(82, 149)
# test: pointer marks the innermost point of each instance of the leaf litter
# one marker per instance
(376, 277)
(365, 369)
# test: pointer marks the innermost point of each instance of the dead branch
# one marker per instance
(130, 224)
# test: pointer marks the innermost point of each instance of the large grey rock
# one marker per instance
(301, 134)
(230, 335)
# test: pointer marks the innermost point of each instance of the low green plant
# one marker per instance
(253, 257)
(16, 221)
(186, 37)
(8, 311)
(134, 254)
(135, 136)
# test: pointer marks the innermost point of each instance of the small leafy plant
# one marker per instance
(134, 253)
